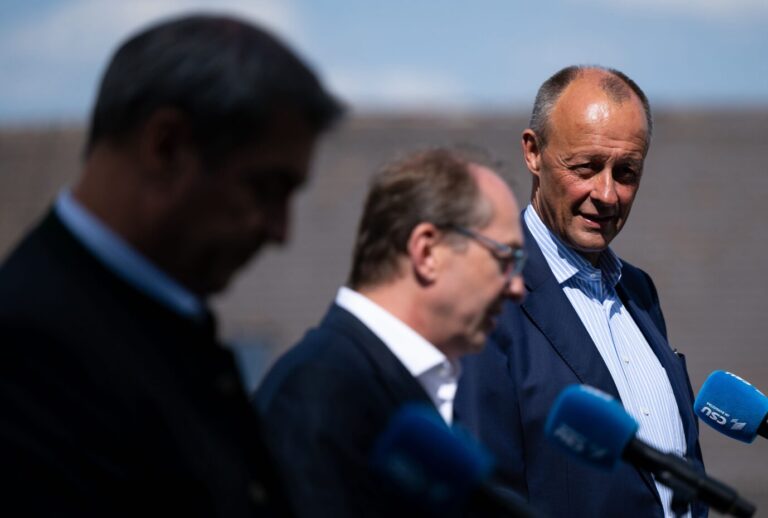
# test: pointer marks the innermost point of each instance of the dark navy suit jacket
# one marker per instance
(112, 404)
(323, 405)
(539, 348)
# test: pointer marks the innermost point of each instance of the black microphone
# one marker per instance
(594, 427)
(733, 407)
(441, 470)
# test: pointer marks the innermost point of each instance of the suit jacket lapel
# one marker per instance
(392, 374)
(551, 311)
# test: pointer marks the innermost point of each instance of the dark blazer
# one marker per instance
(112, 404)
(539, 348)
(323, 405)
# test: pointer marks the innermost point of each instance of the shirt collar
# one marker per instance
(416, 353)
(124, 260)
(566, 262)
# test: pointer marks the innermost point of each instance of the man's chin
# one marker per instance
(477, 346)
(466, 345)
(590, 242)
(220, 280)
(478, 341)
(216, 284)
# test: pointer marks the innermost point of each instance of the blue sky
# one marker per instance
(444, 55)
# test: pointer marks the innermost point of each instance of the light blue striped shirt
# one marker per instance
(640, 378)
(123, 260)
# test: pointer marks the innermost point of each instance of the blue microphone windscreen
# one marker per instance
(591, 425)
(424, 459)
(731, 406)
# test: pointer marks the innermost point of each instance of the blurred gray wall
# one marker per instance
(698, 227)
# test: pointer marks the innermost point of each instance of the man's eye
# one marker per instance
(626, 175)
(587, 168)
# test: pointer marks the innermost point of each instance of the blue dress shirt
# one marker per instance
(125, 261)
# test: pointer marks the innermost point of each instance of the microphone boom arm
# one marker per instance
(663, 465)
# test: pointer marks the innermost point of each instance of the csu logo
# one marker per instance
(738, 425)
(715, 416)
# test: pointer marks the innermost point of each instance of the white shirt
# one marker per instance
(431, 368)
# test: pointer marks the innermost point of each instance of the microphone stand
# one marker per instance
(683, 494)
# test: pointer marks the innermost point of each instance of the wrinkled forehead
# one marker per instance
(586, 103)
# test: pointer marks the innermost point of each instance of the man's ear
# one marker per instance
(422, 251)
(531, 151)
(165, 144)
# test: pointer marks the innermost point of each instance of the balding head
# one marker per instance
(591, 101)
(617, 86)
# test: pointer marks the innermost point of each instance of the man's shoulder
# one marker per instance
(636, 282)
(57, 300)
(42, 282)
(23, 255)
(329, 357)
(339, 337)
(634, 272)
(32, 278)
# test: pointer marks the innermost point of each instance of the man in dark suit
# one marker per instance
(588, 317)
(116, 398)
(437, 251)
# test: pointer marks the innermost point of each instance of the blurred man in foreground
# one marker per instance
(588, 317)
(117, 399)
(438, 250)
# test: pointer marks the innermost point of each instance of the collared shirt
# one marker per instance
(125, 261)
(640, 378)
(433, 370)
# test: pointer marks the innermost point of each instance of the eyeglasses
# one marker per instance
(511, 259)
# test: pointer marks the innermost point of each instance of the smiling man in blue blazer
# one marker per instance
(588, 316)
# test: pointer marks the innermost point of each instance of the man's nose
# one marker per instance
(604, 188)
(515, 289)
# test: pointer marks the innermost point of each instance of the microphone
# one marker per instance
(441, 470)
(594, 427)
(733, 407)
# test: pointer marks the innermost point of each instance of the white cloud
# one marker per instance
(401, 87)
(75, 27)
(51, 62)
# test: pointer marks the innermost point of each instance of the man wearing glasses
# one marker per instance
(438, 250)
(588, 317)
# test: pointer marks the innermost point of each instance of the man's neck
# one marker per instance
(406, 303)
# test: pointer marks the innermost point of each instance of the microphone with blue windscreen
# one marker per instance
(591, 425)
(440, 470)
(594, 427)
(733, 407)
